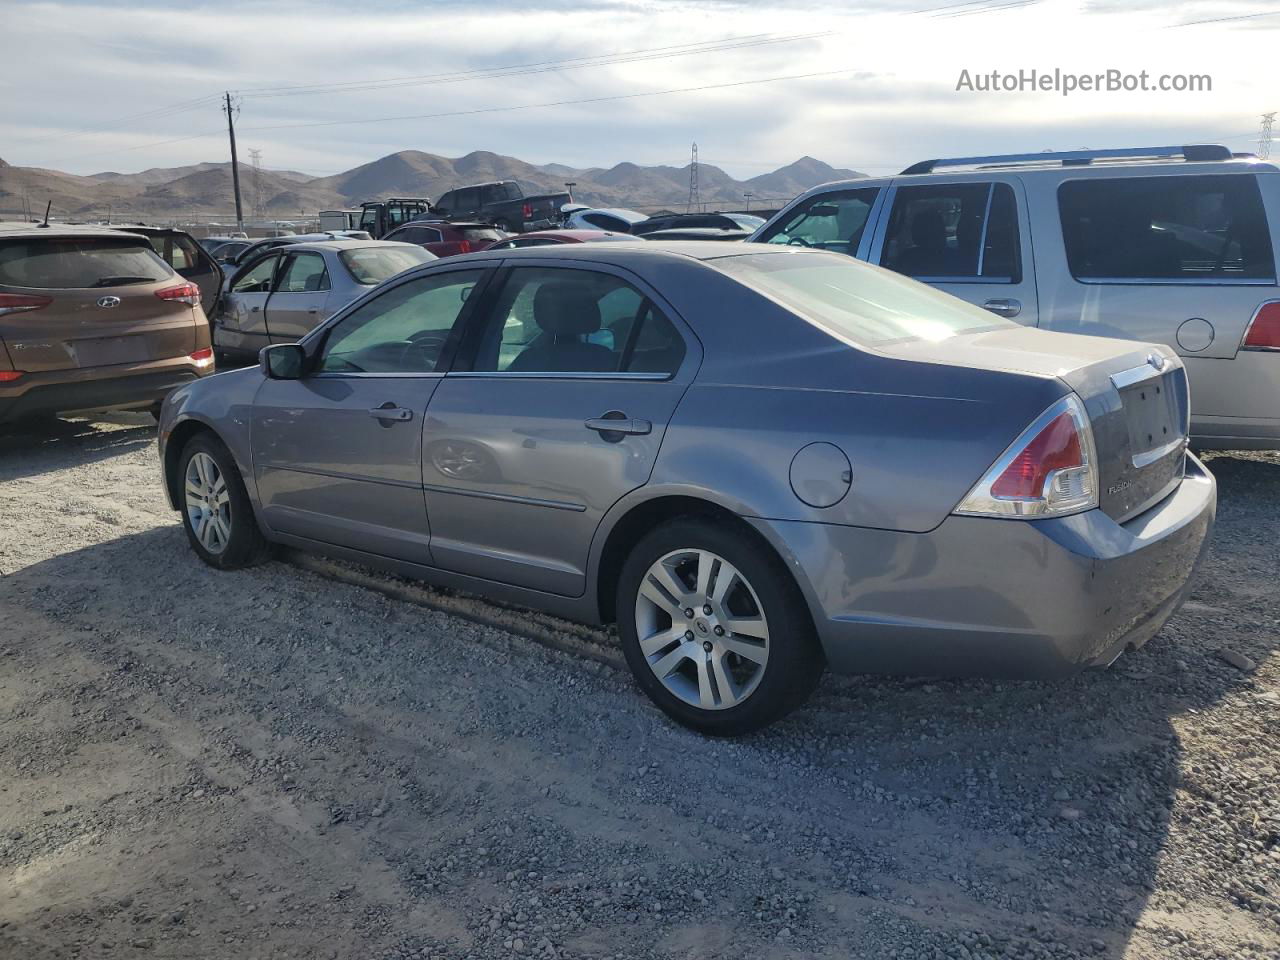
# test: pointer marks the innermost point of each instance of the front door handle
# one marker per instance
(389, 411)
(615, 424)
(1004, 308)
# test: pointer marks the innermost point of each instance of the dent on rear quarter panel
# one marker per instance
(918, 435)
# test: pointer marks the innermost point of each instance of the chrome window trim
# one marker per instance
(369, 374)
(986, 225)
(544, 375)
(1176, 281)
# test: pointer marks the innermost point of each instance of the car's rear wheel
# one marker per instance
(714, 629)
(216, 512)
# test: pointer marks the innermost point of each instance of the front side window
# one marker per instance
(257, 279)
(304, 273)
(402, 331)
(493, 193)
(1186, 228)
(468, 199)
(369, 219)
(829, 221)
(954, 231)
(855, 302)
(576, 321)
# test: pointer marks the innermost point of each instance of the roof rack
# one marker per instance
(1200, 152)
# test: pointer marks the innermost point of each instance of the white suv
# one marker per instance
(1166, 244)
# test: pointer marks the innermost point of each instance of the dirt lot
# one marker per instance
(306, 760)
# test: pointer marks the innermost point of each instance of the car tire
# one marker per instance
(216, 512)
(752, 659)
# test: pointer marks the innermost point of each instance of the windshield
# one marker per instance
(370, 265)
(60, 263)
(857, 302)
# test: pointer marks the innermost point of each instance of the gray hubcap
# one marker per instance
(702, 629)
(208, 504)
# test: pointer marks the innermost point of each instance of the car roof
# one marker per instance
(20, 229)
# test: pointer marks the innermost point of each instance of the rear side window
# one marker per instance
(829, 221)
(954, 231)
(79, 262)
(1186, 228)
(305, 273)
(606, 222)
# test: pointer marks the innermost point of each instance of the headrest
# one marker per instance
(562, 308)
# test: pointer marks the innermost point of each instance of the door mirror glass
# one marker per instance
(283, 361)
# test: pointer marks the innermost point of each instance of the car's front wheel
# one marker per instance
(216, 511)
(714, 629)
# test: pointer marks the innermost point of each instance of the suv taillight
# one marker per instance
(1264, 329)
(1049, 471)
(187, 293)
(8, 376)
(527, 211)
(464, 246)
(21, 302)
(202, 358)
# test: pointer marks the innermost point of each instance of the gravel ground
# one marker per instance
(309, 760)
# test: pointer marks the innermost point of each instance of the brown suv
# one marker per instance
(93, 319)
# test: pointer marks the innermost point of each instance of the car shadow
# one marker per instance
(26, 446)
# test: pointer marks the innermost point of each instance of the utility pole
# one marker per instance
(569, 185)
(695, 198)
(255, 157)
(748, 196)
(235, 165)
(1264, 136)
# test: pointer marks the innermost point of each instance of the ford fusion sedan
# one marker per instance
(287, 290)
(758, 462)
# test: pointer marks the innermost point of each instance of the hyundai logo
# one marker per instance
(1157, 360)
(108, 302)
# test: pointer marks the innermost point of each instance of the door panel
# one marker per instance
(519, 463)
(338, 453)
(971, 239)
(297, 303)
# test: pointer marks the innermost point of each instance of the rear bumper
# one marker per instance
(95, 388)
(999, 598)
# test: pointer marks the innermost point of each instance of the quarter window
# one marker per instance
(829, 221)
(305, 273)
(1185, 228)
(954, 231)
(576, 321)
(402, 331)
(257, 279)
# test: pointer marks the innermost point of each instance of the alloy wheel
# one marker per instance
(702, 629)
(208, 502)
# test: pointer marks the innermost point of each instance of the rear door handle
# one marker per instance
(1004, 308)
(619, 424)
(389, 411)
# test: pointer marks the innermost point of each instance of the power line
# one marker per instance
(1244, 16)
(155, 114)
(554, 103)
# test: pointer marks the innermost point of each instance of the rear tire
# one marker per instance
(714, 628)
(216, 512)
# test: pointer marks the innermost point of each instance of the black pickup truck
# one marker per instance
(503, 204)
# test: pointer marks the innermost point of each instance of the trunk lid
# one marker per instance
(1135, 394)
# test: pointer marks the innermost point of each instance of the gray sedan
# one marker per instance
(280, 294)
(757, 462)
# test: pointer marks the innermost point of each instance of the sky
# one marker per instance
(96, 85)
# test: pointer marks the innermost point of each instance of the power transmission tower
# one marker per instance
(695, 199)
(235, 165)
(1264, 135)
(255, 157)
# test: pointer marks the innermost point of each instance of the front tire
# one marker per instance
(216, 512)
(714, 629)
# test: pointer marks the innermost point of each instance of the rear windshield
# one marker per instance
(857, 302)
(64, 262)
(370, 265)
(480, 234)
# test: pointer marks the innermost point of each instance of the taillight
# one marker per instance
(1049, 471)
(464, 246)
(1264, 329)
(202, 358)
(187, 293)
(8, 376)
(21, 302)
(527, 211)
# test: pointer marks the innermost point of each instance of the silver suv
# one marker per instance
(1165, 244)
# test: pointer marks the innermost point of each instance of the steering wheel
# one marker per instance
(798, 242)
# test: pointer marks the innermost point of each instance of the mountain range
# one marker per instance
(204, 190)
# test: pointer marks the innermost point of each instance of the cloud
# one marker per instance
(893, 102)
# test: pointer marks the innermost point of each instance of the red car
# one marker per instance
(447, 238)
(544, 238)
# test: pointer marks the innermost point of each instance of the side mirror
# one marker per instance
(283, 361)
